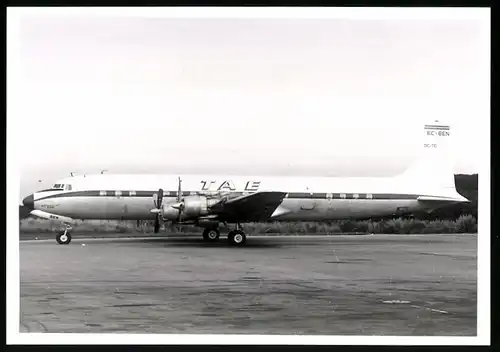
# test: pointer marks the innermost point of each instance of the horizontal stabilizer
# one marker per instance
(458, 199)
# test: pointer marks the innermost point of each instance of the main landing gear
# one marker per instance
(64, 237)
(235, 237)
(211, 235)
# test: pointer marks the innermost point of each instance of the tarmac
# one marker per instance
(330, 285)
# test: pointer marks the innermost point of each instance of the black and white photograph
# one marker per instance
(248, 175)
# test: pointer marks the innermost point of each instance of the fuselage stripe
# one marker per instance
(436, 127)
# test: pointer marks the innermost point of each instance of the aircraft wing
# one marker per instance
(253, 207)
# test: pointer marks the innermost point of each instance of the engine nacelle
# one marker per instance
(192, 207)
(169, 213)
(195, 206)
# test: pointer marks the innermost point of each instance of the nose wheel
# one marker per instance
(63, 237)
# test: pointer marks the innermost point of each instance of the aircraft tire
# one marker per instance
(63, 237)
(211, 235)
(237, 238)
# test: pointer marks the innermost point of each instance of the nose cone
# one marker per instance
(29, 202)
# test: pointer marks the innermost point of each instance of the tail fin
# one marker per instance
(432, 172)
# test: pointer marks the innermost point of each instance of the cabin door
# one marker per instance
(308, 202)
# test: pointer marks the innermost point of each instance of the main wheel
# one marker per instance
(237, 238)
(211, 235)
(63, 237)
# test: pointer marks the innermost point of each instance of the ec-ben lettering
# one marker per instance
(438, 133)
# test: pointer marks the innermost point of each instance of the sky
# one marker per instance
(270, 96)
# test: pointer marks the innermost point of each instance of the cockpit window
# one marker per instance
(58, 186)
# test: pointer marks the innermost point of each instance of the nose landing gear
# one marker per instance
(64, 237)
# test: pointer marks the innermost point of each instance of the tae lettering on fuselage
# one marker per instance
(227, 185)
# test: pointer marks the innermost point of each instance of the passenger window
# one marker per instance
(102, 193)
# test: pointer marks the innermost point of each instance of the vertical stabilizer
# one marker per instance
(432, 172)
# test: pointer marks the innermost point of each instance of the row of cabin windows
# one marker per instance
(117, 193)
(62, 187)
(344, 196)
(133, 193)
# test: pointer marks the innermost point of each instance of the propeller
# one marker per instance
(180, 204)
(157, 200)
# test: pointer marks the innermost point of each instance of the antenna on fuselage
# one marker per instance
(102, 171)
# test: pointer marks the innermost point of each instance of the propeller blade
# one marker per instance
(179, 205)
(160, 198)
(179, 191)
(157, 199)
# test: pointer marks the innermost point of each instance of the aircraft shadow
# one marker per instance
(200, 243)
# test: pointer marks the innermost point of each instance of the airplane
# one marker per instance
(207, 201)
